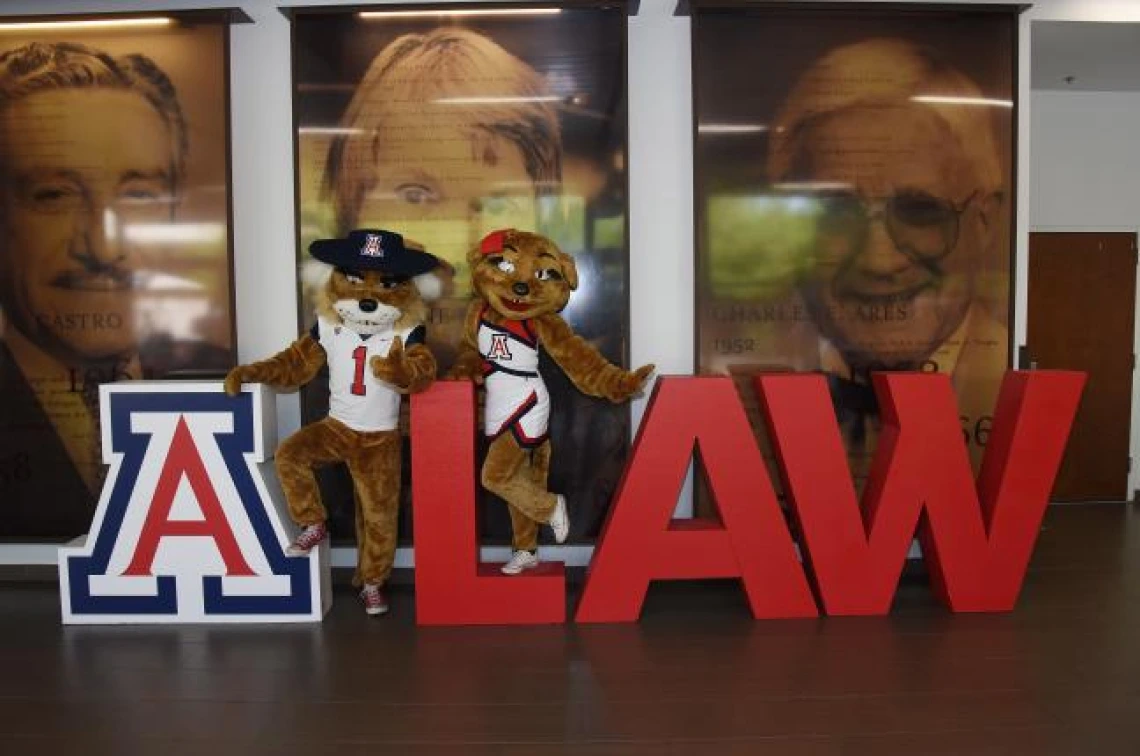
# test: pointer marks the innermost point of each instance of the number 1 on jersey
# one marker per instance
(359, 356)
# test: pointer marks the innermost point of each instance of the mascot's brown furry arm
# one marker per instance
(521, 281)
(370, 332)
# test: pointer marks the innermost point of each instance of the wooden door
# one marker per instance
(1082, 297)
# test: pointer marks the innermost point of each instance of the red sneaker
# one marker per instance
(310, 537)
(374, 601)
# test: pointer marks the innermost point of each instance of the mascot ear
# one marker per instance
(429, 285)
(432, 284)
(570, 271)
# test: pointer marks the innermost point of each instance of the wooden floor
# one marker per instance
(1061, 675)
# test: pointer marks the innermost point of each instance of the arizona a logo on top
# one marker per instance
(499, 348)
(372, 246)
(186, 529)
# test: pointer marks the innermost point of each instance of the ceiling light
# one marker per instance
(955, 100)
(87, 24)
(731, 128)
(381, 15)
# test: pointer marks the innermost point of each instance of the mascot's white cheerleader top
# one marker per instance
(517, 400)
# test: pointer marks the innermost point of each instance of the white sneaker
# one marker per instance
(520, 560)
(560, 520)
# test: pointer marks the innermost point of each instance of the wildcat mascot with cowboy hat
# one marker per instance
(370, 332)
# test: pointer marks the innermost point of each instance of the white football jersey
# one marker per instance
(358, 398)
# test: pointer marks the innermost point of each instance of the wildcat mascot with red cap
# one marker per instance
(521, 282)
(370, 333)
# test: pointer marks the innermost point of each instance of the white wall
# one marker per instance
(1057, 125)
(660, 164)
(1085, 160)
(1085, 175)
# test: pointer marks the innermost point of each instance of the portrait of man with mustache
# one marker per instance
(92, 154)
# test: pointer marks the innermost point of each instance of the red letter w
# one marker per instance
(976, 540)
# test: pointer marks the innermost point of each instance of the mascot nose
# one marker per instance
(520, 288)
(368, 305)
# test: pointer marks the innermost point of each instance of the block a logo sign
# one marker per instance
(186, 529)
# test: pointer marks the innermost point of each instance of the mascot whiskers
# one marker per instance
(521, 282)
(370, 333)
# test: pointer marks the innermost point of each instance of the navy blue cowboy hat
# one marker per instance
(373, 249)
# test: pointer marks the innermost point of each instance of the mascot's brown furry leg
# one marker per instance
(314, 445)
(375, 468)
(373, 459)
(524, 529)
(518, 476)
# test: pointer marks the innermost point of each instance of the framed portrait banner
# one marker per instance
(115, 240)
(444, 123)
(854, 199)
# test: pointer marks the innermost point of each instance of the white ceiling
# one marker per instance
(1100, 57)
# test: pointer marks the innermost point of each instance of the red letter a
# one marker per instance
(183, 460)
(452, 588)
(976, 541)
(640, 544)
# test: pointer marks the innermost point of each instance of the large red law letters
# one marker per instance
(976, 537)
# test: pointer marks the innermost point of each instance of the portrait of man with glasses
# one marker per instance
(893, 154)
